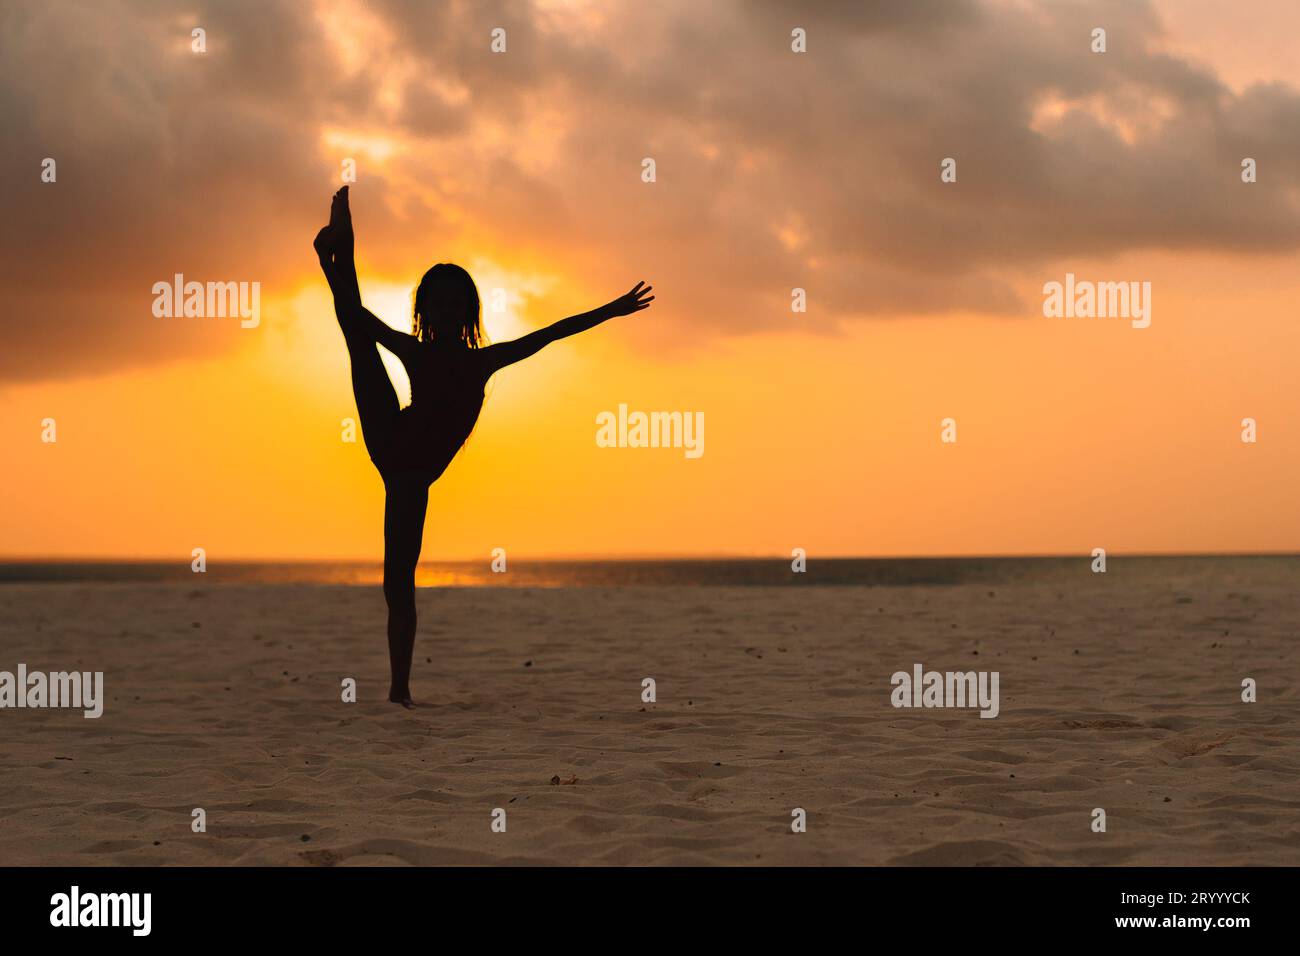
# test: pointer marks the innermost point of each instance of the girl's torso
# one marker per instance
(446, 397)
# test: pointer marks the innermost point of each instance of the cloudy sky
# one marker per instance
(774, 170)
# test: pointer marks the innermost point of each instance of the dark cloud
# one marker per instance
(774, 169)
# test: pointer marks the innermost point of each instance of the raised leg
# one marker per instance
(407, 497)
(377, 404)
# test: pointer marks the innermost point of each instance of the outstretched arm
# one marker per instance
(334, 247)
(507, 353)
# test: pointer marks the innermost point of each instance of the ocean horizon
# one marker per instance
(663, 572)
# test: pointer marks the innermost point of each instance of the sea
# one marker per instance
(1181, 570)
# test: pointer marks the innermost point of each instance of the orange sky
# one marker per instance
(822, 429)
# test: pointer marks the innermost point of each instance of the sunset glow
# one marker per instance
(823, 427)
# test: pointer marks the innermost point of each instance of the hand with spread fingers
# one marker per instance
(636, 300)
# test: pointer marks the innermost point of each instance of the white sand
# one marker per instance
(228, 698)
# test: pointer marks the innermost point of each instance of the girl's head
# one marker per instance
(447, 307)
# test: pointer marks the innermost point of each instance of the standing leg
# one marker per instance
(407, 497)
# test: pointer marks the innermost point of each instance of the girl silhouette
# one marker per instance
(449, 366)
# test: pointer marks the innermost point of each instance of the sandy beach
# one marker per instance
(228, 698)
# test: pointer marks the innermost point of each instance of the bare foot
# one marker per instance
(341, 222)
(324, 244)
(405, 701)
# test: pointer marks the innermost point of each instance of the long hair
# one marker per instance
(468, 326)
